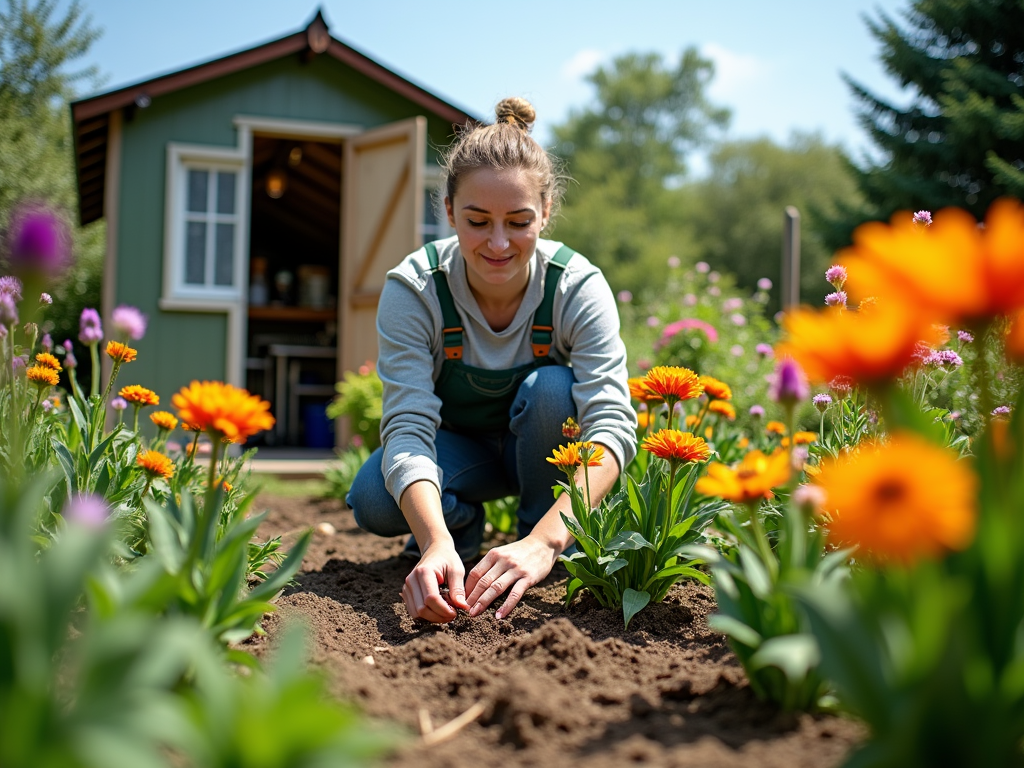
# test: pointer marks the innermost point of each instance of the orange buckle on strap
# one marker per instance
(453, 353)
(541, 350)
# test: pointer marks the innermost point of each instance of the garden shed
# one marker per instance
(253, 205)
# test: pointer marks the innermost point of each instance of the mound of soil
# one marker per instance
(556, 686)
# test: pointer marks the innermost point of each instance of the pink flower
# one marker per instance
(757, 411)
(625, 297)
(764, 284)
(703, 267)
(965, 336)
(653, 322)
(764, 350)
(87, 510)
(714, 277)
(45, 298)
(731, 305)
(736, 350)
(90, 331)
(822, 401)
(643, 364)
(686, 324)
(129, 322)
(714, 290)
(836, 274)
(118, 403)
(837, 299)
(690, 300)
(673, 262)
(8, 310)
(737, 319)
(11, 286)
(810, 498)
(923, 217)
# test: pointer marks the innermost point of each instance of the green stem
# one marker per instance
(95, 355)
(671, 411)
(135, 418)
(15, 421)
(761, 539)
(701, 414)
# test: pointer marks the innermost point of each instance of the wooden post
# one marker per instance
(790, 258)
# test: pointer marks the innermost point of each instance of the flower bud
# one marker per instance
(789, 385)
(90, 330)
(570, 429)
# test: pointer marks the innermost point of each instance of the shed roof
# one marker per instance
(91, 115)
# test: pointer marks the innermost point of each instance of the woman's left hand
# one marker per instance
(515, 567)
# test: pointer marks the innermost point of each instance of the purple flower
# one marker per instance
(923, 217)
(736, 350)
(789, 385)
(837, 299)
(942, 357)
(822, 401)
(764, 350)
(757, 411)
(90, 330)
(809, 498)
(836, 275)
(764, 284)
(39, 239)
(11, 286)
(45, 298)
(70, 361)
(733, 304)
(68, 346)
(130, 322)
(965, 336)
(47, 343)
(87, 510)
(3, 332)
(799, 457)
(736, 318)
(714, 277)
(118, 403)
(47, 406)
(625, 297)
(1002, 410)
(703, 267)
(8, 310)
(954, 415)
(653, 322)
(18, 363)
(690, 300)
(673, 262)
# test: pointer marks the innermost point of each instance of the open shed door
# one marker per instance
(381, 212)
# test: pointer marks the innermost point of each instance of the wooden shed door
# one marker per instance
(381, 212)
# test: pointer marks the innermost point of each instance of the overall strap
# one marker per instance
(452, 328)
(543, 318)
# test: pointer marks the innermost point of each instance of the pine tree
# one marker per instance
(960, 140)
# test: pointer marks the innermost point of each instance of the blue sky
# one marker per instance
(778, 63)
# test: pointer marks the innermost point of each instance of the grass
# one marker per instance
(281, 486)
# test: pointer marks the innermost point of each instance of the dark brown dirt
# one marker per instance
(559, 687)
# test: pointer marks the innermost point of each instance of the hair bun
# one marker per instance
(516, 111)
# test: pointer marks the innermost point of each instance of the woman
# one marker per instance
(476, 335)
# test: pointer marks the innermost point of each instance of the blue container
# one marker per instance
(319, 428)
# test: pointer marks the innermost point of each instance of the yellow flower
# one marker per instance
(155, 464)
(675, 446)
(140, 396)
(121, 353)
(571, 455)
(715, 389)
(643, 418)
(775, 428)
(868, 347)
(953, 270)
(752, 480)
(48, 360)
(673, 383)
(42, 376)
(722, 408)
(163, 420)
(904, 499)
(222, 410)
(691, 420)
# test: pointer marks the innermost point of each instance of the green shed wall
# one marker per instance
(181, 346)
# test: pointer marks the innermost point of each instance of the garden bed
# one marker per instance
(556, 686)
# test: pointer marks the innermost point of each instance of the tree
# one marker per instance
(37, 44)
(735, 213)
(960, 141)
(626, 152)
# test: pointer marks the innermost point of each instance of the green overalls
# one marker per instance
(476, 399)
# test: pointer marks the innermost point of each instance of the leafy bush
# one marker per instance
(360, 397)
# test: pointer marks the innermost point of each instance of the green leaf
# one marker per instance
(571, 589)
(67, 463)
(632, 603)
(755, 572)
(628, 540)
(795, 655)
(614, 565)
(735, 629)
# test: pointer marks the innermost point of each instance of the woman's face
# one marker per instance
(498, 216)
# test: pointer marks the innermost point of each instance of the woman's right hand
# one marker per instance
(439, 564)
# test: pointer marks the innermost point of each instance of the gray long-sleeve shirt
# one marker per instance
(409, 325)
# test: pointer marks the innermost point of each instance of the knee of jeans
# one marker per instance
(365, 494)
(549, 387)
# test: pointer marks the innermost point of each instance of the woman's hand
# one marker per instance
(514, 567)
(440, 564)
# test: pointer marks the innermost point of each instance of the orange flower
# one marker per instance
(673, 383)
(121, 353)
(868, 347)
(42, 376)
(722, 408)
(691, 420)
(743, 443)
(675, 446)
(571, 456)
(139, 396)
(155, 464)
(49, 361)
(639, 390)
(801, 438)
(1015, 339)
(222, 410)
(643, 418)
(952, 271)
(715, 389)
(752, 480)
(163, 420)
(775, 428)
(905, 499)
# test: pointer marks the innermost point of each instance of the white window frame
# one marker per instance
(433, 177)
(180, 159)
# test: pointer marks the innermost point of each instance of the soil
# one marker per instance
(557, 686)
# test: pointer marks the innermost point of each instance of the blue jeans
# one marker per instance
(479, 468)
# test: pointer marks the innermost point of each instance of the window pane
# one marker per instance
(429, 214)
(198, 184)
(224, 262)
(226, 192)
(195, 253)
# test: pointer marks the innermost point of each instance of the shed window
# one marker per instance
(211, 227)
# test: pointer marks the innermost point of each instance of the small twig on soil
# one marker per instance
(426, 726)
(449, 729)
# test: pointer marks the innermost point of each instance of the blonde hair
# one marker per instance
(506, 144)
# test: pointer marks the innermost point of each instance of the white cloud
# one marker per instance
(736, 74)
(581, 64)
